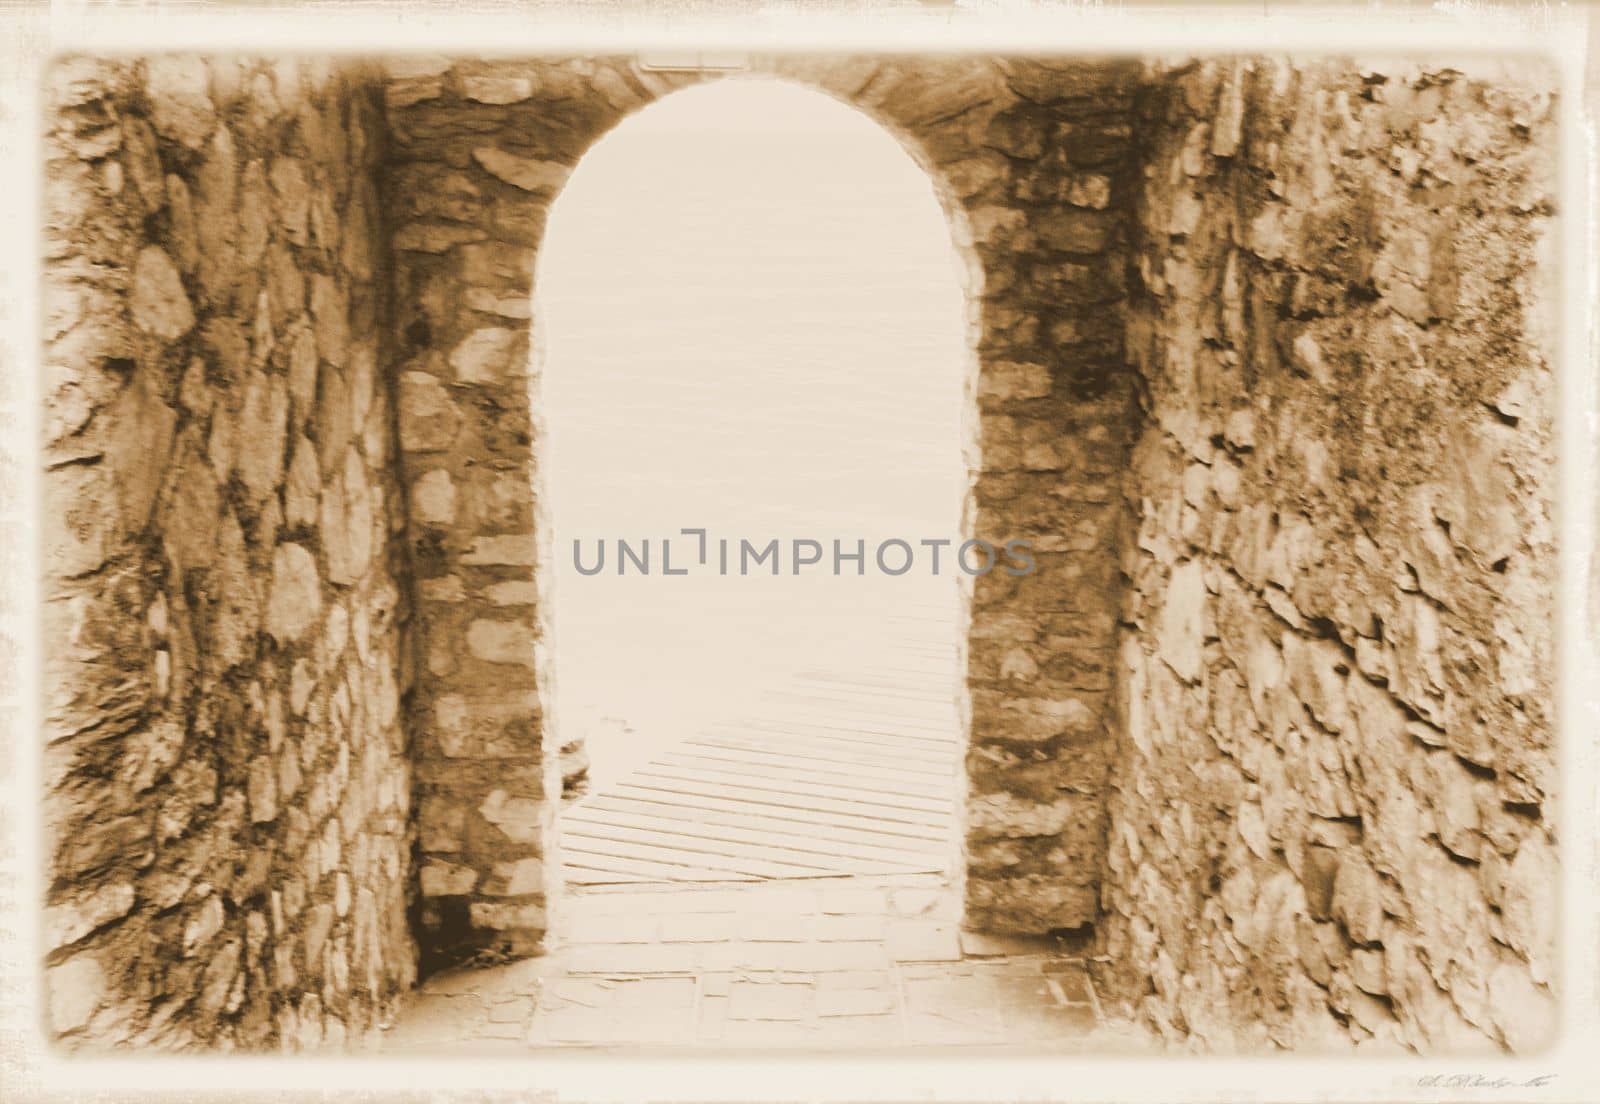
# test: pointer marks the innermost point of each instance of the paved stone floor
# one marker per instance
(859, 964)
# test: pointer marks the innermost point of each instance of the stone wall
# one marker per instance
(1031, 161)
(1260, 368)
(228, 788)
(478, 153)
(1057, 416)
(1333, 818)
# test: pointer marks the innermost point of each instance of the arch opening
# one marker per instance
(750, 321)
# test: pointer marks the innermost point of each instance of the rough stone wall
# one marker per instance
(478, 152)
(228, 788)
(1333, 818)
(1046, 179)
(1318, 505)
(1031, 162)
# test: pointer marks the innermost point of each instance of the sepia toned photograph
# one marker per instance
(701, 551)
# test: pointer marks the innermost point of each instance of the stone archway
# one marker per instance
(478, 152)
(1335, 811)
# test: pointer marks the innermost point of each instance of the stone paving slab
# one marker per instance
(921, 941)
(873, 1001)
(750, 1000)
(863, 966)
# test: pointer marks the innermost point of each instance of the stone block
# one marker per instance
(435, 237)
(295, 600)
(319, 923)
(506, 306)
(1009, 380)
(1075, 230)
(1526, 1015)
(434, 498)
(502, 641)
(1009, 717)
(77, 988)
(1010, 816)
(330, 311)
(513, 593)
(416, 66)
(158, 302)
(529, 174)
(1357, 899)
(497, 265)
(428, 416)
(447, 589)
(302, 490)
(72, 920)
(1529, 909)
(260, 456)
(440, 879)
(506, 917)
(263, 789)
(178, 90)
(1321, 869)
(486, 355)
(346, 515)
(511, 549)
(497, 90)
(1183, 618)
(203, 925)
(291, 197)
(519, 818)
(501, 728)
(515, 879)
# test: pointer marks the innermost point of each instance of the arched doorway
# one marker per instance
(481, 150)
(752, 329)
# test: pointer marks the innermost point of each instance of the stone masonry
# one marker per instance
(228, 784)
(861, 964)
(1032, 164)
(1260, 366)
(1333, 814)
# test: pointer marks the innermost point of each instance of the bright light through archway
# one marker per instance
(752, 321)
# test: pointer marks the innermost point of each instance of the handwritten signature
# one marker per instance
(1475, 1081)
